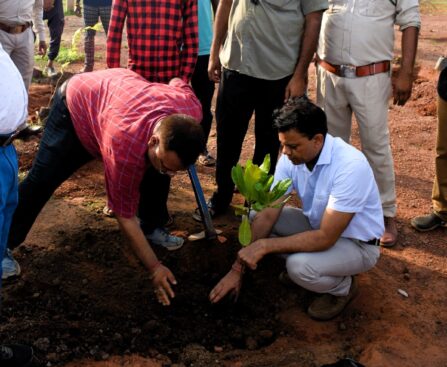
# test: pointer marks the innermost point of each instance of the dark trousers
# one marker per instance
(152, 210)
(239, 96)
(204, 89)
(60, 154)
(56, 21)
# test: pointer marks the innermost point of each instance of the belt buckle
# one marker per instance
(348, 71)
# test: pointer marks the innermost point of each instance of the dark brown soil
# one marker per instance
(84, 299)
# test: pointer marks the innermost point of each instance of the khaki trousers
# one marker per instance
(366, 98)
(439, 194)
(20, 47)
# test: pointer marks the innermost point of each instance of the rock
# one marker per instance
(43, 344)
(342, 326)
(251, 343)
(218, 349)
(407, 276)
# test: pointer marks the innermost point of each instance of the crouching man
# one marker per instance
(133, 126)
(336, 233)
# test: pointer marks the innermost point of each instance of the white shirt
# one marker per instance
(360, 32)
(341, 180)
(19, 12)
(13, 96)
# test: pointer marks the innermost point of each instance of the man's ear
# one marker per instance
(319, 140)
(153, 141)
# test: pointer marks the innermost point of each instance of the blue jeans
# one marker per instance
(8, 194)
(60, 154)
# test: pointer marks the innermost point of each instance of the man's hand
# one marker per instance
(214, 69)
(162, 280)
(42, 48)
(402, 88)
(229, 283)
(296, 87)
(252, 254)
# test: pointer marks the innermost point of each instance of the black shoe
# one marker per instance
(427, 223)
(15, 355)
(28, 131)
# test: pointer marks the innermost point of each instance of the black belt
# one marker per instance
(15, 29)
(373, 242)
(6, 140)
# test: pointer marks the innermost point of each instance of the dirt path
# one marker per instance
(84, 300)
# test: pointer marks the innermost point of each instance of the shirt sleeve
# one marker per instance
(190, 48)
(115, 33)
(39, 26)
(350, 185)
(407, 14)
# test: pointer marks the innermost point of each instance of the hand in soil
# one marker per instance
(163, 278)
(229, 283)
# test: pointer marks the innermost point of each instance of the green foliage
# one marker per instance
(254, 183)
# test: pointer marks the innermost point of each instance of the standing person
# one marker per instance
(438, 216)
(94, 10)
(16, 34)
(202, 85)
(336, 233)
(354, 77)
(264, 49)
(13, 110)
(162, 37)
(131, 125)
(54, 13)
(163, 44)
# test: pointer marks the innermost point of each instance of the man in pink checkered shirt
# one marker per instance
(131, 125)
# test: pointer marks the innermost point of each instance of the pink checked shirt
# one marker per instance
(114, 113)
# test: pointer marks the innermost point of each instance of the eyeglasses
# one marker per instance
(166, 171)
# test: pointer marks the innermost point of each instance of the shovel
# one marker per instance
(210, 232)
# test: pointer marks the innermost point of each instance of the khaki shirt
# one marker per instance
(360, 32)
(19, 12)
(263, 40)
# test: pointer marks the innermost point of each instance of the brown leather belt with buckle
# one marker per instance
(351, 71)
(15, 29)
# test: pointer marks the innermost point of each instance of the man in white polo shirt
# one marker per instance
(13, 111)
(336, 233)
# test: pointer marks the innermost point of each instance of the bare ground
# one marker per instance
(84, 300)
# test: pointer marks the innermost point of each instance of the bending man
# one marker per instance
(132, 126)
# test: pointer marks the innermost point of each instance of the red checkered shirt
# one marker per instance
(162, 37)
(114, 113)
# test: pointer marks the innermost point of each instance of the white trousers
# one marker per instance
(325, 271)
(368, 98)
(20, 47)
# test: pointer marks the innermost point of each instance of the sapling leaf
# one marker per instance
(237, 175)
(244, 232)
(265, 166)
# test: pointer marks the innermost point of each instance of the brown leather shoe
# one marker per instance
(328, 306)
(389, 238)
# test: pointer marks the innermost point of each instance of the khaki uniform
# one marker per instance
(358, 33)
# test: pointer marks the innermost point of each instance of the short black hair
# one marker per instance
(302, 115)
(183, 135)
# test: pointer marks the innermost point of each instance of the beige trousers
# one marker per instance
(20, 47)
(439, 194)
(367, 98)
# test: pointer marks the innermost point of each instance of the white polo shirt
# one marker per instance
(13, 96)
(341, 180)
